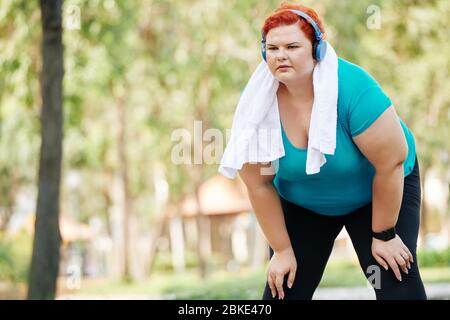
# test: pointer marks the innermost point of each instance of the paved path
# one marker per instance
(440, 291)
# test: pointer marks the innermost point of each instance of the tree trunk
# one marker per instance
(47, 238)
(161, 215)
(156, 232)
(126, 204)
(198, 175)
(203, 227)
(106, 193)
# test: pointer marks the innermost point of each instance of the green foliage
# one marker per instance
(409, 57)
(434, 258)
(236, 287)
(15, 255)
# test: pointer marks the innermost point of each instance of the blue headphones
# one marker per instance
(319, 45)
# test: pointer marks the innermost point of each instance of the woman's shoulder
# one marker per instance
(352, 78)
(360, 97)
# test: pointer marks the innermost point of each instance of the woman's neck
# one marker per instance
(300, 92)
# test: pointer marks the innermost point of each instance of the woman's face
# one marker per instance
(289, 53)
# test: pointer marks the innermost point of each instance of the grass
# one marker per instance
(245, 284)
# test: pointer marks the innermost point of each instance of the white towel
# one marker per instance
(256, 130)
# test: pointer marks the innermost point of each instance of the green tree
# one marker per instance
(45, 260)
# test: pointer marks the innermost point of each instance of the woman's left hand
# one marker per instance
(393, 253)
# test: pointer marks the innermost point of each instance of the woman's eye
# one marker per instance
(289, 47)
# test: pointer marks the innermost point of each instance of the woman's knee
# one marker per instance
(410, 288)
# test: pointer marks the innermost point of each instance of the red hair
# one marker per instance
(283, 17)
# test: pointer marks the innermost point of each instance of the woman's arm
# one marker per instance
(267, 207)
(385, 146)
(387, 192)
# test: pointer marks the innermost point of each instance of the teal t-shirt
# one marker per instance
(344, 182)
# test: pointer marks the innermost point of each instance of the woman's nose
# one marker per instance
(281, 54)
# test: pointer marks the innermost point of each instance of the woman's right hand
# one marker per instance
(282, 262)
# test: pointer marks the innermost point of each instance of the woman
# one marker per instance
(371, 185)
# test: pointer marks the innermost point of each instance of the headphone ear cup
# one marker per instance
(314, 50)
(263, 50)
(321, 50)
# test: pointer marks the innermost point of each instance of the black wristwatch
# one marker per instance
(385, 235)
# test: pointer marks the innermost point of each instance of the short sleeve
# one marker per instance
(366, 108)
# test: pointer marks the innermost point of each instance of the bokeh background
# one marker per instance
(135, 224)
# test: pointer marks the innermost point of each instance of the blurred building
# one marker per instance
(229, 227)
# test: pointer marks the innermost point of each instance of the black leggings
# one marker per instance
(312, 236)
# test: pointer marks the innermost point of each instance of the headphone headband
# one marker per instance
(311, 21)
